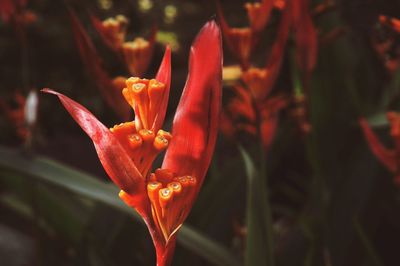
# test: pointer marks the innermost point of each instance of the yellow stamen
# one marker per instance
(135, 141)
(145, 96)
(147, 135)
(160, 143)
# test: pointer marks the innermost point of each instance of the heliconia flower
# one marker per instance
(137, 53)
(108, 88)
(240, 41)
(112, 30)
(260, 81)
(165, 197)
(388, 157)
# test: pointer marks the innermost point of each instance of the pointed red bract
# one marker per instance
(306, 36)
(164, 76)
(196, 120)
(270, 118)
(386, 156)
(112, 155)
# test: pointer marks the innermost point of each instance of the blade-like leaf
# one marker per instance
(259, 244)
(87, 186)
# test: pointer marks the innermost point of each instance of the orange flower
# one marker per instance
(241, 41)
(112, 30)
(138, 53)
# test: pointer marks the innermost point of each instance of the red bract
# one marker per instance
(296, 16)
(388, 157)
(165, 197)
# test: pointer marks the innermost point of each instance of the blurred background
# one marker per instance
(296, 178)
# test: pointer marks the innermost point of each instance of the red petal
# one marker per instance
(270, 118)
(387, 157)
(275, 58)
(112, 155)
(164, 76)
(306, 39)
(195, 124)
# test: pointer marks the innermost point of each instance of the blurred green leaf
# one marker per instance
(366, 243)
(259, 245)
(378, 120)
(82, 184)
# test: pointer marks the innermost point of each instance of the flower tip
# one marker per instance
(212, 26)
(50, 91)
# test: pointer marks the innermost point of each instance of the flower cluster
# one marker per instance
(165, 196)
(255, 108)
(135, 56)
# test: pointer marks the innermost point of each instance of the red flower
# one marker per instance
(165, 197)
(388, 157)
(241, 41)
(112, 30)
(137, 53)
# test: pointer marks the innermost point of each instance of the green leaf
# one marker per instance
(82, 184)
(378, 120)
(259, 244)
(366, 243)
